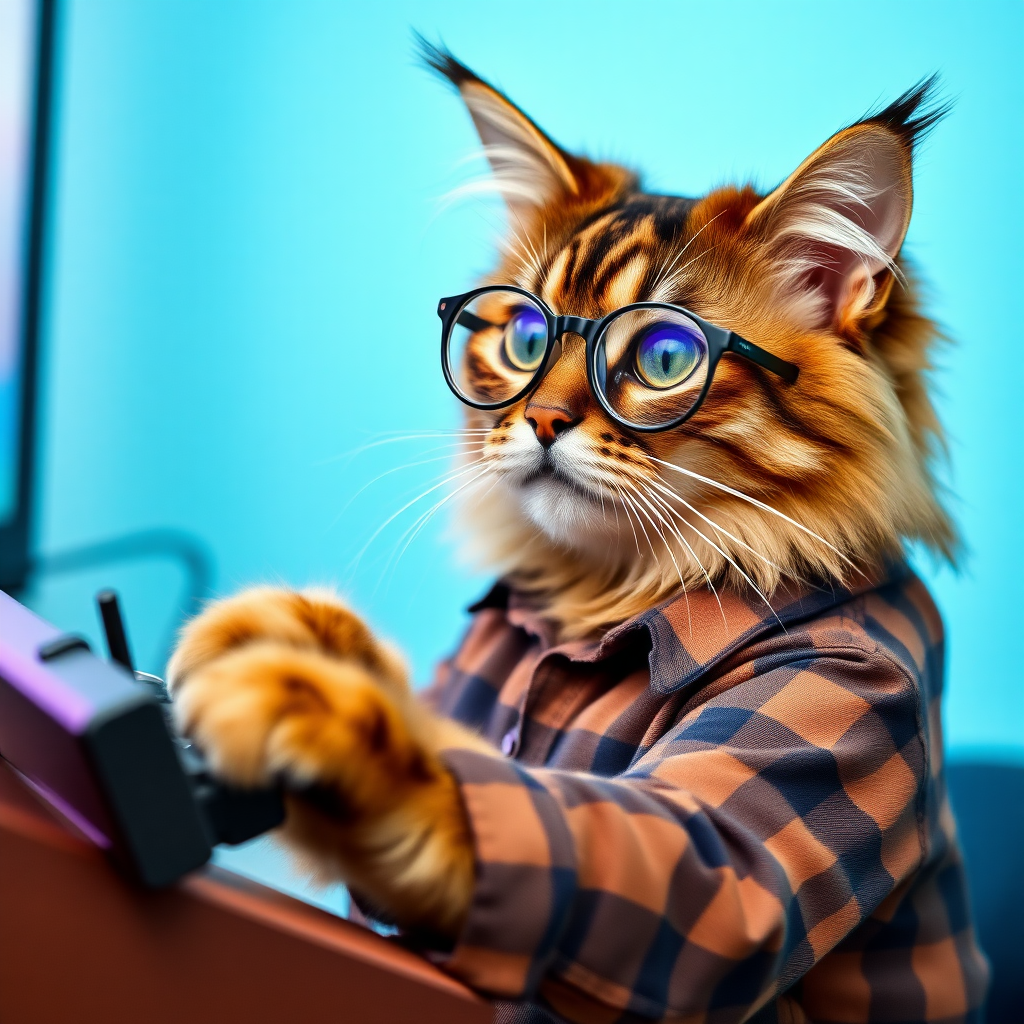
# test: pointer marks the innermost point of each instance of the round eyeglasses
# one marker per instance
(649, 364)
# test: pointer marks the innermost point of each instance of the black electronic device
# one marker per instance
(95, 740)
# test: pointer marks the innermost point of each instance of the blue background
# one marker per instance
(248, 250)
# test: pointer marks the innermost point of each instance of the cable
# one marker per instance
(185, 548)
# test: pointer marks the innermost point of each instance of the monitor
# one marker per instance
(26, 45)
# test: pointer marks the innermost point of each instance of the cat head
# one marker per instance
(825, 477)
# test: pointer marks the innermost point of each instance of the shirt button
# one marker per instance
(509, 742)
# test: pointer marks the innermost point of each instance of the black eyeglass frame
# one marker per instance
(719, 341)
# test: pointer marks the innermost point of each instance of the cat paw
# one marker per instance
(266, 712)
(311, 620)
(280, 684)
(282, 687)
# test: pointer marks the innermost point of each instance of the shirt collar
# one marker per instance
(691, 634)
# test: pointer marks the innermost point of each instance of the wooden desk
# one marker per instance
(79, 944)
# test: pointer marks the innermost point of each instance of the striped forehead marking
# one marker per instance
(624, 286)
(607, 261)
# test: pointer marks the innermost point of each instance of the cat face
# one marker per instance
(824, 477)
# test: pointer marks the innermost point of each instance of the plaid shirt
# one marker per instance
(714, 813)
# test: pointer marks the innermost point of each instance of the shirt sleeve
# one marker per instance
(754, 835)
(432, 694)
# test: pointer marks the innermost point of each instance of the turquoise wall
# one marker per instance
(248, 251)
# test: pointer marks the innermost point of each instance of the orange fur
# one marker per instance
(273, 684)
(824, 478)
(846, 452)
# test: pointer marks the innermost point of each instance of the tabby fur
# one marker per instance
(823, 479)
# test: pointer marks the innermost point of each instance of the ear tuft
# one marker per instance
(441, 60)
(914, 114)
(529, 170)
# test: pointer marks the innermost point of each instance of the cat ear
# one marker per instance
(834, 228)
(529, 169)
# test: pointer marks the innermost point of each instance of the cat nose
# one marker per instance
(548, 422)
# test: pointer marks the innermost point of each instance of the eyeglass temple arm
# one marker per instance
(787, 371)
(472, 322)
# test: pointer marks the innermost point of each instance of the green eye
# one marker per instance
(668, 353)
(526, 337)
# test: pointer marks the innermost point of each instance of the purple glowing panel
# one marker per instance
(94, 743)
(21, 634)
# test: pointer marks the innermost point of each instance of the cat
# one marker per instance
(771, 489)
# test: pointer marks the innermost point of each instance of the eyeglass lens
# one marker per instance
(496, 346)
(651, 365)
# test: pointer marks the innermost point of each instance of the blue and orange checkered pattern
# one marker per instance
(716, 813)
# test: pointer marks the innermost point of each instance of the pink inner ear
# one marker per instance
(885, 212)
(843, 215)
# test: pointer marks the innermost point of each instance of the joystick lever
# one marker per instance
(113, 627)
(232, 815)
(117, 643)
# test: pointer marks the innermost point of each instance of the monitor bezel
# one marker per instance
(16, 533)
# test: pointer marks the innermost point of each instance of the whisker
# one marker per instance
(421, 521)
(450, 478)
(528, 262)
(696, 559)
(757, 503)
(715, 526)
(629, 519)
(690, 526)
(671, 554)
(700, 255)
(538, 264)
(636, 509)
(732, 562)
(663, 276)
(396, 469)
(424, 436)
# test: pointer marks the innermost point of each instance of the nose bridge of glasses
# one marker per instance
(576, 324)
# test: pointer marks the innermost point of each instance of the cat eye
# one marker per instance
(526, 339)
(666, 355)
(650, 364)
